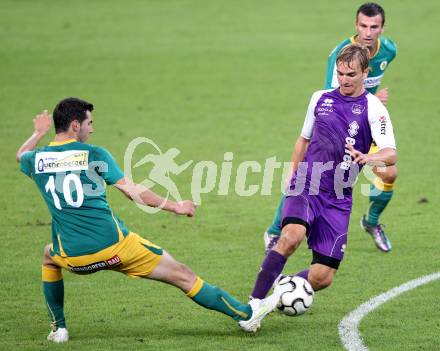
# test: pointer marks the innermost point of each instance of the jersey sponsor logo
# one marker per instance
(52, 162)
(96, 266)
(346, 160)
(114, 260)
(325, 107)
(353, 128)
(40, 165)
(383, 125)
(357, 109)
(372, 82)
(383, 65)
(328, 102)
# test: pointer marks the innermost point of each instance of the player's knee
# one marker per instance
(288, 242)
(287, 245)
(47, 260)
(320, 281)
(46, 250)
(185, 276)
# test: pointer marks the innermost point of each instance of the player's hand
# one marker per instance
(186, 207)
(358, 157)
(42, 123)
(382, 94)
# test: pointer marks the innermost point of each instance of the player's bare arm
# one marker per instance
(143, 196)
(298, 153)
(382, 95)
(42, 124)
(385, 157)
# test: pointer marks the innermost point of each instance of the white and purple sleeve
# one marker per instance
(309, 121)
(380, 123)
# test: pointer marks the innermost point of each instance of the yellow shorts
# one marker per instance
(373, 149)
(133, 256)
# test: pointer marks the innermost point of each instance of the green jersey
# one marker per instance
(71, 177)
(386, 52)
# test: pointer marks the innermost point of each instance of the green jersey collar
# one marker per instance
(353, 40)
(58, 143)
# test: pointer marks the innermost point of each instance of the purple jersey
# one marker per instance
(320, 192)
(332, 122)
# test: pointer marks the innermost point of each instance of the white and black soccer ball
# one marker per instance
(296, 295)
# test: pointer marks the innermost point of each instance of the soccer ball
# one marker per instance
(296, 295)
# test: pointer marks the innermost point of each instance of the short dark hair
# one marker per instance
(371, 9)
(353, 52)
(69, 110)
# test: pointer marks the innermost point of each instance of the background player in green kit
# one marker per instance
(370, 20)
(87, 236)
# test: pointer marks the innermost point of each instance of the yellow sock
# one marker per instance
(49, 274)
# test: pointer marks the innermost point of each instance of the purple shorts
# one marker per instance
(325, 217)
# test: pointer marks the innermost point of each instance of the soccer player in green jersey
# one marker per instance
(370, 20)
(87, 236)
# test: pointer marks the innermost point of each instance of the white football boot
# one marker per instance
(270, 240)
(58, 336)
(260, 309)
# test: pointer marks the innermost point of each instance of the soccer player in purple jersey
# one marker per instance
(339, 127)
(370, 21)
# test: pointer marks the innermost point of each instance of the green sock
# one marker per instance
(54, 295)
(378, 202)
(214, 298)
(275, 227)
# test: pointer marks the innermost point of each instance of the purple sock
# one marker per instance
(272, 266)
(304, 274)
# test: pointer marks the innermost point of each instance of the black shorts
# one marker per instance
(325, 260)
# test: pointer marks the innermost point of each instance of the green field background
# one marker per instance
(209, 77)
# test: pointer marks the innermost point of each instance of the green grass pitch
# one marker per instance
(208, 77)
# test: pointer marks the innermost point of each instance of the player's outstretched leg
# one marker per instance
(53, 289)
(273, 264)
(381, 193)
(272, 234)
(212, 297)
